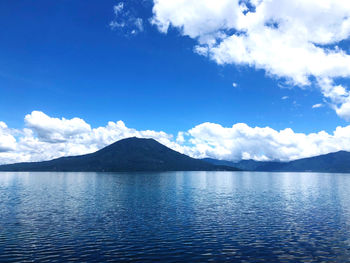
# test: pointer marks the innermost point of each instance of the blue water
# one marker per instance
(175, 216)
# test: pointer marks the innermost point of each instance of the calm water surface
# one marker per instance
(175, 216)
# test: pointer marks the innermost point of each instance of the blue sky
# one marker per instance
(61, 57)
(64, 59)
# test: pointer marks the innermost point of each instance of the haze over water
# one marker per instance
(174, 216)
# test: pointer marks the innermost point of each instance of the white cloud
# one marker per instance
(46, 138)
(296, 40)
(125, 20)
(241, 141)
(139, 24)
(285, 97)
(318, 105)
(7, 140)
(234, 84)
(54, 129)
(180, 137)
(118, 8)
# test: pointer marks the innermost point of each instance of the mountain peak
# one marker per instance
(135, 138)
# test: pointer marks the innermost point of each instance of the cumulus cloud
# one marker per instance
(7, 140)
(244, 142)
(285, 97)
(294, 40)
(53, 129)
(234, 84)
(46, 137)
(125, 20)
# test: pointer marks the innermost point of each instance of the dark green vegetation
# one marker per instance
(338, 162)
(132, 154)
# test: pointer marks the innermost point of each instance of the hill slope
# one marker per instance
(338, 162)
(131, 154)
(247, 165)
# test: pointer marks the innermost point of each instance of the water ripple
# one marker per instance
(172, 217)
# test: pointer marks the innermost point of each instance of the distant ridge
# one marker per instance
(127, 155)
(337, 162)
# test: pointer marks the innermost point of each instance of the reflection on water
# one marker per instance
(175, 216)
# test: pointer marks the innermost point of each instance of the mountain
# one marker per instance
(247, 165)
(131, 154)
(338, 162)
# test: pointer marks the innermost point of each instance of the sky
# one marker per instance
(227, 79)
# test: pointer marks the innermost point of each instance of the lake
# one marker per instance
(174, 216)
